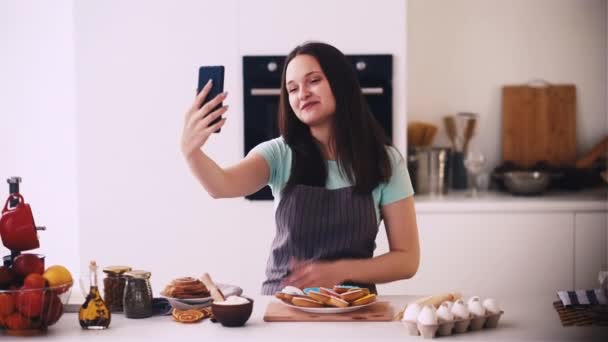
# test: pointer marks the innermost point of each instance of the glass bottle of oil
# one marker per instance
(94, 313)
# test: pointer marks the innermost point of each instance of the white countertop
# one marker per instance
(525, 319)
(593, 200)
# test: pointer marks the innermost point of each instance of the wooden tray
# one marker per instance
(277, 312)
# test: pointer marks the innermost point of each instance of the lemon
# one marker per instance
(57, 275)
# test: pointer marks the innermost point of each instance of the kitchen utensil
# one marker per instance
(461, 120)
(450, 128)
(420, 134)
(216, 293)
(378, 311)
(429, 135)
(17, 227)
(430, 166)
(469, 131)
(457, 171)
(599, 150)
(539, 123)
(414, 135)
(526, 182)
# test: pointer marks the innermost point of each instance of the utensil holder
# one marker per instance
(458, 173)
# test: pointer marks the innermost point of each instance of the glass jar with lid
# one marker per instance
(137, 299)
(114, 287)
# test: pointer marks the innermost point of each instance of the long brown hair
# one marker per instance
(358, 139)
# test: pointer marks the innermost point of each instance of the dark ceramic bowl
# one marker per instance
(233, 315)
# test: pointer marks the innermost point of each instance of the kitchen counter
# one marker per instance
(525, 319)
(592, 200)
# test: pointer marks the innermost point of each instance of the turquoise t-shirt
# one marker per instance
(278, 156)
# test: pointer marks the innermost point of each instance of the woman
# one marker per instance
(332, 172)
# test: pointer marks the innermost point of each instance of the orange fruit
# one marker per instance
(30, 303)
(16, 322)
(34, 281)
(7, 304)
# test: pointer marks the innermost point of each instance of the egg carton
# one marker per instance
(458, 326)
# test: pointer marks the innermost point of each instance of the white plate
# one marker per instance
(327, 310)
(197, 303)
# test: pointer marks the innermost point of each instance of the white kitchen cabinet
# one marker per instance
(491, 254)
(590, 242)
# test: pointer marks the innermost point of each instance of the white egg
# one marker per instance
(476, 308)
(411, 312)
(491, 305)
(427, 316)
(473, 299)
(444, 313)
(460, 310)
(447, 304)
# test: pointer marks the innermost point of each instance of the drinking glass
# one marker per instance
(474, 162)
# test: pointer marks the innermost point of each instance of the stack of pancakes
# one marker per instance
(186, 287)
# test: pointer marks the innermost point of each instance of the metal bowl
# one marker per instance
(526, 182)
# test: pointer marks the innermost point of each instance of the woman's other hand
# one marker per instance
(196, 123)
(314, 274)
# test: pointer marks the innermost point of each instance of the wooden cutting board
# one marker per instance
(539, 124)
(277, 312)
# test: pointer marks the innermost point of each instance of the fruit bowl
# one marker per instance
(30, 311)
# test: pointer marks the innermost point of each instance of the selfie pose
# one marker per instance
(333, 174)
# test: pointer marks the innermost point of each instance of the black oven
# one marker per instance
(262, 78)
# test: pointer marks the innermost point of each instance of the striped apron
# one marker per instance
(317, 224)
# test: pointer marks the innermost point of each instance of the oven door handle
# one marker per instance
(372, 90)
(265, 91)
(277, 91)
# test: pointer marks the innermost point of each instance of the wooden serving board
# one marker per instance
(539, 124)
(277, 312)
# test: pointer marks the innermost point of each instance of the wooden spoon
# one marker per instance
(468, 133)
(450, 127)
(216, 293)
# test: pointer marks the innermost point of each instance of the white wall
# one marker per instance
(460, 54)
(37, 120)
(136, 75)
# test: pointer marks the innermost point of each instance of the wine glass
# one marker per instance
(474, 162)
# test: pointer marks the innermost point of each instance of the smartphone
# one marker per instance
(215, 73)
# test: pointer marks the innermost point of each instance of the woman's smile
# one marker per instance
(309, 105)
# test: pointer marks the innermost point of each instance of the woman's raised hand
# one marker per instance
(197, 128)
